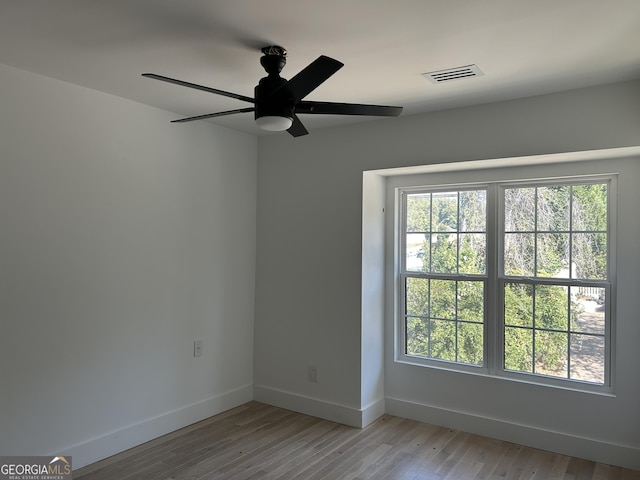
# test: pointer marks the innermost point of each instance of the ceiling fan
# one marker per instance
(278, 101)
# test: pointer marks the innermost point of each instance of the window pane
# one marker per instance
(472, 255)
(417, 296)
(470, 343)
(444, 214)
(589, 207)
(444, 253)
(518, 349)
(552, 255)
(473, 214)
(587, 309)
(471, 301)
(519, 254)
(443, 340)
(519, 209)
(443, 299)
(587, 358)
(418, 213)
(551, 353)
(417, 337)
(417, 252)
(552, 210)
(551, 307)
(518, 304)
(590, 255)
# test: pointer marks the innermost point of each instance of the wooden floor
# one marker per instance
(257, 441)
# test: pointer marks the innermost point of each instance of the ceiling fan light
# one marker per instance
(274, 123)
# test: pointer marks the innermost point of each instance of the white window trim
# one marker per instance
(494, 329)
(609, 285)
(400, 356)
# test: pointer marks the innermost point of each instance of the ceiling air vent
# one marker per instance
(440, 76)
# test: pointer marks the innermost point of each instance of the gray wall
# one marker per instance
(309, 270)
(123, 239)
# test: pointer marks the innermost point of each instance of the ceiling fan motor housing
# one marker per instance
(269, 104)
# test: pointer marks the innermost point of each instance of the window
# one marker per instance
(508, 279)
(445, 274)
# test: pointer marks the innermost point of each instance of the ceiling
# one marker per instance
(522, 47)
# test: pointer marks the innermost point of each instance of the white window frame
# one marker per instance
(495, 281)
(404, 273)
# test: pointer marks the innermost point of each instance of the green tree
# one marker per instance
(589, 213)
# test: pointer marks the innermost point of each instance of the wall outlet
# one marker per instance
(197, 348)
(313, 374)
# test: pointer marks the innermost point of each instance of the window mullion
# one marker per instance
(493, 314)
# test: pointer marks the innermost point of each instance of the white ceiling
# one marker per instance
(523, 47)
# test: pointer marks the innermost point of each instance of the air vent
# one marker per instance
(440, 76)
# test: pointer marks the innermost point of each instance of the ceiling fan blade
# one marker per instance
(198, 87)
(211, 115)
(331, 108)
(297, 129)
(309, 78)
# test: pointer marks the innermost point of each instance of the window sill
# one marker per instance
(522, 378)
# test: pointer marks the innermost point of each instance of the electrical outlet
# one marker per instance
(313, 374)
(197, 348)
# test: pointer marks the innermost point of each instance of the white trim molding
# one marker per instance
(131, 436)
(353, 417)
(566, 444)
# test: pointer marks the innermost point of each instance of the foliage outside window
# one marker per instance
(529, 295)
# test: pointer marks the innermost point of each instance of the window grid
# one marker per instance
(570, 332)
(434, 275)
(456, 322)
(538, 279)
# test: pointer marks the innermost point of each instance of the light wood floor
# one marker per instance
(257, 441)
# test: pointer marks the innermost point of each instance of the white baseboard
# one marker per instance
(118, 441)
(373, 412)
(133, 435)
(354, 417)
(575, 446)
